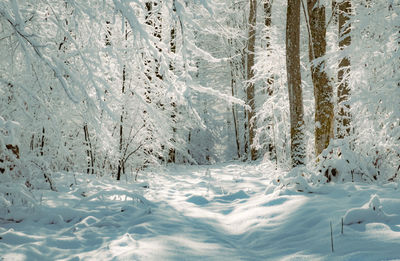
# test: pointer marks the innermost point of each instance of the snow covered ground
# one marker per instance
(229, 211)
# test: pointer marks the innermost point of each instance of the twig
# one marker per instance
(331, 237)
(342, 226)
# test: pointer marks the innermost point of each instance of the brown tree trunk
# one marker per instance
(250, 73)
(343, 93)
(323, 90)
(294, 82)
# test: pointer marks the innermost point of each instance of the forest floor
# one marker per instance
(229, 211)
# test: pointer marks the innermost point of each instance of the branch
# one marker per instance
(35, 45)
(131, 139)
(130, 154)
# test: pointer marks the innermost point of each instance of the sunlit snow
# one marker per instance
(223, 212)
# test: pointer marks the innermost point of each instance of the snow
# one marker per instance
(231, 211)
(8, 130)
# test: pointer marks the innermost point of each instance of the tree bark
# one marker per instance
(323, 90)
(250, 73)
(294, 82)
(343, 93)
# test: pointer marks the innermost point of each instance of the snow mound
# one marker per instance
(370, 212)
(298, 179)
(232, 197)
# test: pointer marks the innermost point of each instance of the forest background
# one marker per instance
(114, 87)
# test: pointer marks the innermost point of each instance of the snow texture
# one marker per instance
(223, 212)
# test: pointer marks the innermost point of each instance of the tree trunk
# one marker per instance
(344, 116)
(268, 20)
(156, 23)
(121, 129)
(89, 150)
(294, 82)
(121, 161)
(42, 143)
(108, 33)
(323, 90)
(270, 79)
(250, 73)
(233, 91)
(234, 114)
(172, 151)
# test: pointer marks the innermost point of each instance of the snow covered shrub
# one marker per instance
(15, 197)
(375, 86)
(16, 200)
(299, 179)
(9, 150)
(19, 174)
(370, 212)
(339, 163)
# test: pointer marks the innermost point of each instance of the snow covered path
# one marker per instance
(224, 212)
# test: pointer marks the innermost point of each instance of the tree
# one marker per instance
(270, 79)
(237, 65)
(343, 92)
(294, 82)
(268, 20)
(323, 90)
(250, 73)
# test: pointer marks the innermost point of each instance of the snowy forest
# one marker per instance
(199, 129)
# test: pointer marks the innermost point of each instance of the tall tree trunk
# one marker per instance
(343, 93)
(121, 161)
(172, 151)
(270, 79)
(121, 128)
(156, 23)
(268, 21)
(323, 90)
(294, 82)
(250, 73)
(234, 76)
